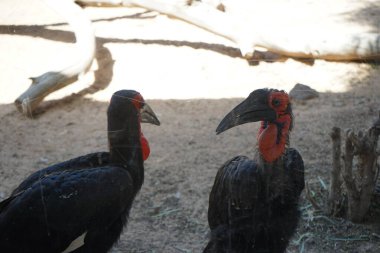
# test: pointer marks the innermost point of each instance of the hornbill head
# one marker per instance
(261, 105)
(123, 101)
(126, 111)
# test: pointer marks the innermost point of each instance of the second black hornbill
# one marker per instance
(253, 204)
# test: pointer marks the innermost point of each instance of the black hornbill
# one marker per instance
(253, 204)
(82, 205)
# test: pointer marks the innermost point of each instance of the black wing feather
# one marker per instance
(294, 164)
(254, 208)
(235, 188)
(87, 161)
(72, 186)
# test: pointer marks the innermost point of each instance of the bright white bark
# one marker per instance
(236, 23)
(55, 79)
(284, 40)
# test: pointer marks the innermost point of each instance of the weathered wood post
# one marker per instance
(335, 192)
(359, 171)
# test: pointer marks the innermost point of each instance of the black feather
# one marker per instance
(254, 208)
(89, 194)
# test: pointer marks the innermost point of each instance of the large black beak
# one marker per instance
(148, 116)
(254, 108)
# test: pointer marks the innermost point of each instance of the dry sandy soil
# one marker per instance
(191, 79)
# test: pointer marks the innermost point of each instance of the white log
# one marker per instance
(82, 58)
(325, 43)
(202, 15)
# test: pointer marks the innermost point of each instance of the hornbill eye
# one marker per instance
(276, 102)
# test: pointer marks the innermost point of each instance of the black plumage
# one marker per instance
(253, 204)
(82, 205)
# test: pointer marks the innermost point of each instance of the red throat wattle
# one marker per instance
(144, 147)
(272, 146)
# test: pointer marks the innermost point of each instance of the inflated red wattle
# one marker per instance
(269, 148)
(144, 147)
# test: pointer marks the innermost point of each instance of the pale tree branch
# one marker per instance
(287, 41)
(55, 79)
(291, 42)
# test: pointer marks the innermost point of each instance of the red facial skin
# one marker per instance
(138, 100)
(272, 146)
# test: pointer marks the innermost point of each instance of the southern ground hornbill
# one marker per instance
(253, 205)
(81, 205)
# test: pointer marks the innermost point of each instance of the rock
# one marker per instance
(301, 92)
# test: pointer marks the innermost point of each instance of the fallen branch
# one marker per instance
(290, 42)
(293, 42)
(53, 80)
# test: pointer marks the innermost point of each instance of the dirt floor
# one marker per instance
(191, 79)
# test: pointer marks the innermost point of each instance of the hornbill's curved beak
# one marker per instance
(148, 116)
(254, 108)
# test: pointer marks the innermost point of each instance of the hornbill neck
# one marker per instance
(125, 145)
(273, 137)
(125, 142)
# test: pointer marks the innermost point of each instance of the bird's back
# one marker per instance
(92, 160)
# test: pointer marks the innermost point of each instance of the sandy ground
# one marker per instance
(191, 79)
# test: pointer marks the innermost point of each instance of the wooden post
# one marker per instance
(359, 178)
(335, 194)
(349, 180)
